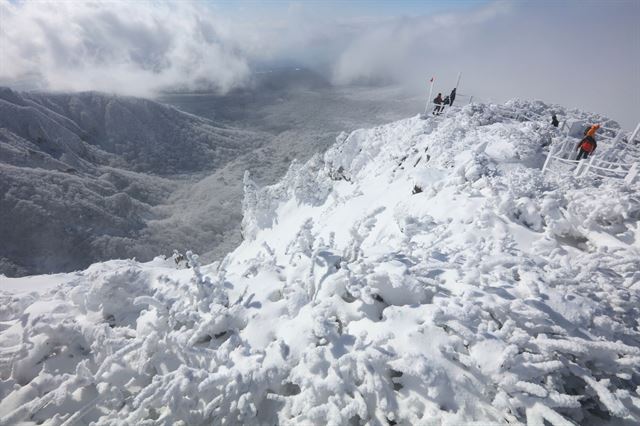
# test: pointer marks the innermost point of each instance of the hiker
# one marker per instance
(452, 96)
(588, 144)
(438, 102)
(554, 120)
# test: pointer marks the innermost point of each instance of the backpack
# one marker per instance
(587, 144)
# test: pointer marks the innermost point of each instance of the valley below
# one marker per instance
(89, 177)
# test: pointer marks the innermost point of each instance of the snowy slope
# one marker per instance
(422, 272)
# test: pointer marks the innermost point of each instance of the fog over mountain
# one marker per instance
(82, 173)
(90, 176)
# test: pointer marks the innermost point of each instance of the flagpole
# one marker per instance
(426, 107)
(458, 81)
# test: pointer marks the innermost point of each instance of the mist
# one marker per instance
(579, 54)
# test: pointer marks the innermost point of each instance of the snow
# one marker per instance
(494, 295)
(35, 283)
(141, 178)
(112, 163)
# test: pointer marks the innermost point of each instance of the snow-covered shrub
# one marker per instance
(338, 388)
(496, 295)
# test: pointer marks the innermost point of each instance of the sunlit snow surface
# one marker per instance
(494, 295)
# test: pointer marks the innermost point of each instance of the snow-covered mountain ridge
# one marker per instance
(111, 163)
(421, 272)
(85, 130)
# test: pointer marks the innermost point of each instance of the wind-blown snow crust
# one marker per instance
(421, 272)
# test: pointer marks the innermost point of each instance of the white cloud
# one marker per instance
(575, 53)
(130, 47)
(398, 48)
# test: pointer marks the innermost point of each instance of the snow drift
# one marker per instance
(421, 272)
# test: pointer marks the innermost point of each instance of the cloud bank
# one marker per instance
(576, 53)
(131, 47)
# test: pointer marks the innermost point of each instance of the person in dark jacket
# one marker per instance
(554, 120)
(438, 102)
(587, 145)
(452, 96)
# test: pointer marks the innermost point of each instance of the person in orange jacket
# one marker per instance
(587, 145)
(592, 131)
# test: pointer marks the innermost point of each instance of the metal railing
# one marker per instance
(605, 164)
(594, 165)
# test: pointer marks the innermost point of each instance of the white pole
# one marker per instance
(426, 107)
(589, 164)
(564, 124)
(456, 87)
(631, 139)
(633, 172)
(635, 133)
(616, 140)
(546, 162)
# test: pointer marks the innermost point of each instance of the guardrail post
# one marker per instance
(586, 170)
(631, 139)
(567, 147)
(615, 140)
(633, 172)
(578, 171)
(635, 133)
(564, 124)
(549, 156)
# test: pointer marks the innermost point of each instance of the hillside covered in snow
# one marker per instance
(142, 178)
(84, 177)
(417, 273)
